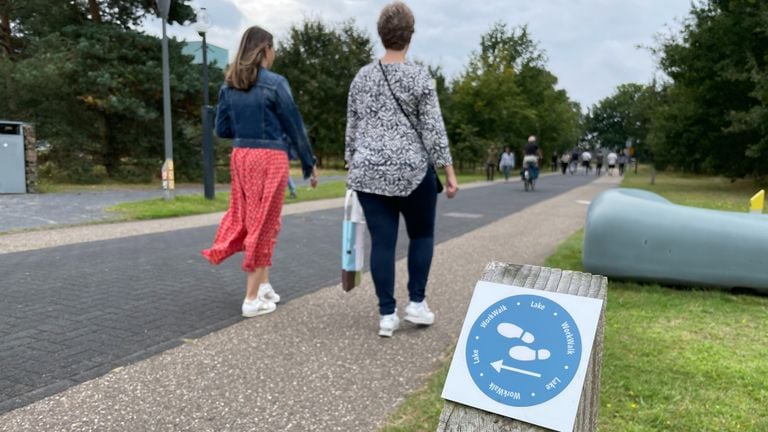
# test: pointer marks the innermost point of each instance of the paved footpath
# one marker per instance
(315, 364)
(52, 210)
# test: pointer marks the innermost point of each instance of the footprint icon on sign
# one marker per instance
(511, 331)
(522, 352)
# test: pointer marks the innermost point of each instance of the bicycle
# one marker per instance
(529, 176)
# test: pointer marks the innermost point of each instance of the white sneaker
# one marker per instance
(257, 306)
(267, 293)
(388, 324)
(419, 313)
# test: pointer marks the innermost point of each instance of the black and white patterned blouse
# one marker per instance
(384, 152)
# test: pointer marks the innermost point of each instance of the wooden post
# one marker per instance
(457, 418)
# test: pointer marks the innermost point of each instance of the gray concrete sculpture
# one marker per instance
(638, 235)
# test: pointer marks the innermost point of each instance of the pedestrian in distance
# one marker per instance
(622, 161)
(492, 156)
(291, 188)
(555, 160)
(574, 161)
(256, 110)
(291, 184)
(394, 140)
(611, 159)
(598, 162)
(586, 161)
(565, 160)
(507, 163)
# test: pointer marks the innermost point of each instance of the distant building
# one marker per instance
(216, 55)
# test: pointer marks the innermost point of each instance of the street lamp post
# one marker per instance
(168, 183)
(203, 23)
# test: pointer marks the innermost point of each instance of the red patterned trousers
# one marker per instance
(252, 223)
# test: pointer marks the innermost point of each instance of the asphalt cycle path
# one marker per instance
(73, 313)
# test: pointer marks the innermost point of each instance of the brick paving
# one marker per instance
(73, 313)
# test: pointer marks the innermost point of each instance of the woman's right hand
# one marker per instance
(451, 187)
(451, 184)
(313, 178)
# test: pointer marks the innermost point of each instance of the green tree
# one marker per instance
(320, 61)
(713, 115)
(506, 94)
(23, 21)
(487, 104)
(92, 86)
(558, 121)
(622, 117)
(441, 83)
(96, 96)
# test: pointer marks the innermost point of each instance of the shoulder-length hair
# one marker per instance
(244, 70)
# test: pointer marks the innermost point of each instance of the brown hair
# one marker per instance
(244, 70)
(396, 25)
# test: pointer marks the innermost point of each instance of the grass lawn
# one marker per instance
(45, 186)
(680, 359)
(188, 205)
(692, 190)
(674, 359)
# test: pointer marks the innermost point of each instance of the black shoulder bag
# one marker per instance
(439, 184)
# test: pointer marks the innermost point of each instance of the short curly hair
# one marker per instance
(395, 25)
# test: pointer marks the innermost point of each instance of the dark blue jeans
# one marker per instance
(382, 215)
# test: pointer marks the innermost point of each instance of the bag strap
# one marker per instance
(397, 101)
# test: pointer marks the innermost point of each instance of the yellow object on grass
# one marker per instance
(757, 202)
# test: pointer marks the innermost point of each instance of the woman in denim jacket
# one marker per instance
(256, 110)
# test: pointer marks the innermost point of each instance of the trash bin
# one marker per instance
(12, 162)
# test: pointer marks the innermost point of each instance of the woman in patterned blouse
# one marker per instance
(395, 134)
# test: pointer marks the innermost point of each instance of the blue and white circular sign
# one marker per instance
(523, 350)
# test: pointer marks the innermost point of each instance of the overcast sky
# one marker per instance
(591, 45)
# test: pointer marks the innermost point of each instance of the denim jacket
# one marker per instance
(265, 116)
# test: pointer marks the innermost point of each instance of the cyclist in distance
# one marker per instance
(531, 155)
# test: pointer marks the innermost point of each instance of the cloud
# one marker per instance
(225, 15)
(591, 45)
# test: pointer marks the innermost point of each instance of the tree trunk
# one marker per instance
(95, 11)
(10, 91)
(5, 33)
(111, 155)
(6, 50)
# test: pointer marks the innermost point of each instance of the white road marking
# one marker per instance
(463, 215)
